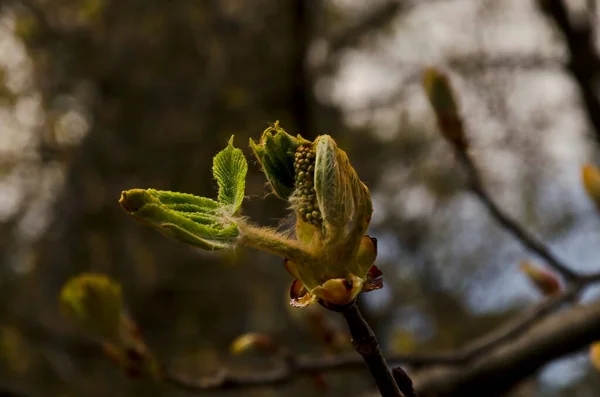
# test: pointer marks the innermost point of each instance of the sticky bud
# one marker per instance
(330, 256)
(250, 341)
(441, 97)
(595, 355)
(546, 282)
(590, 176)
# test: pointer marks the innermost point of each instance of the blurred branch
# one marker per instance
(494, 373)
(502, 358)
(374, 20)
(481, 62)
(584, 62)
(451, 126)
(6, 392)
(512, 226)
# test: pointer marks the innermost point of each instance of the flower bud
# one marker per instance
(546, 282)
(331, 256)
(591, 182)
(442, 99)
(594, 355)
(275, 152)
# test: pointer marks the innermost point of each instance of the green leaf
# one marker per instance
(197, 221)
(229, 170)
(275, 152)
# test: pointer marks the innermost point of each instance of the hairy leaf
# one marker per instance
(229, 170)
(275, 152)
(198, 221)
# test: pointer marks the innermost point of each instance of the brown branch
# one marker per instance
(374, 20)
(436, 371)
(584, 62)
(494, 373)
(512, 226)
(293, 367)
(365, 342)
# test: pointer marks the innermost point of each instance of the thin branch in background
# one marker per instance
(537, 327)
(451, 125)
(510, 225)
(584, 62)
(497, 371)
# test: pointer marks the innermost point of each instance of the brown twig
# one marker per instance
(584, 62)
(365, 342)
(480, 351)
(512, 226)
(494, 373)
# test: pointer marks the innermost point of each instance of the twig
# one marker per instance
(509, 224)
(478, 351)
(404, 382)
(519, 325)
(365, 342)
(497, 371)
(584, 62)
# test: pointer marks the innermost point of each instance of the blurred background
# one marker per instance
(98, 96)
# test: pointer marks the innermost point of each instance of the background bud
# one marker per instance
(545, 281)
(94, 302)
(590, 176)
(441, 97)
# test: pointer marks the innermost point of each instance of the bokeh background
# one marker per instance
(98, 96)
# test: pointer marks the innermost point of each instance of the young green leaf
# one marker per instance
(197, 221)
(229, 170)
(276, 153)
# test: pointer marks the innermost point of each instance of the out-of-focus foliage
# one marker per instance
(100, 96)
(95, 303)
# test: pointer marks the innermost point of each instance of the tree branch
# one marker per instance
(510, 225)
(372, 21)
(501, 358)
(494, 373)
(584, 62)
(365, 342)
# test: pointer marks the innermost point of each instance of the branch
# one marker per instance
(494, 373)
(583, 63)
(510, 225)
(372, 21)
(292, 367)
(501, 358)
(365, 343)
